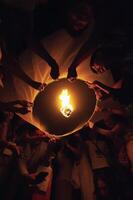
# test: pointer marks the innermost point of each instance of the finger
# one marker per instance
(54, 73)
(42, 87)
(23, 110)
(71, 79)
(25, 103)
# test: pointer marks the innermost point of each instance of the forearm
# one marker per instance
(86, 50)
(36, 138)
(104, 132)
(116, 129)
(23, 106)
(119, 111)
(14, 67)
(103, 87)
(42, 52)
(110, 132)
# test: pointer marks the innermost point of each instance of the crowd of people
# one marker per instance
(94, 163)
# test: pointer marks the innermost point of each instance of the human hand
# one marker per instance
(54, 73)
(72, 73)
(42, 86)
(14, 148)
(22, 110)
(24, 106)
(24, 103)
(38, 85)
(35, 178)
(91, 85)
(51, 145)
(40, 177)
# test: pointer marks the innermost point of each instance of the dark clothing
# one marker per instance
(124, 95)
(14, 28)
(107, 189)
(47, 20)
(125, 178)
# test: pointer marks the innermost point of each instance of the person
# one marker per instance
(74, 171)
(65, 159)
(114, 126)
(5, 120)
(114, 58)
(39, 49)
(99, 151)
(36, 153)
(117, 93)
(19, 106)
(9, 153)
(103, 32)
(108, 57)
(82, 173)
(73, 16)
(8, 63)
(125, 172)
(13, 24)
(17, 23)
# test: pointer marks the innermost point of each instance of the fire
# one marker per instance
(66, 108)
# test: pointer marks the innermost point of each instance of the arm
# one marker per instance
(119, 111)
(85, 51)
(114, 92)
(103, 87)
(24, 106)
(23, 167)
(32, 139)
(50, 152)
(106, 132)
(43, 53)
(14, 67)
(9, 145)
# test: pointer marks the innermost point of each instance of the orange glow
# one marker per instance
(66, 107)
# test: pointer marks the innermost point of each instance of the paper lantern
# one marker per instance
(64, 107)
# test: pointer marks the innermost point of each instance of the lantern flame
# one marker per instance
(66, 108)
